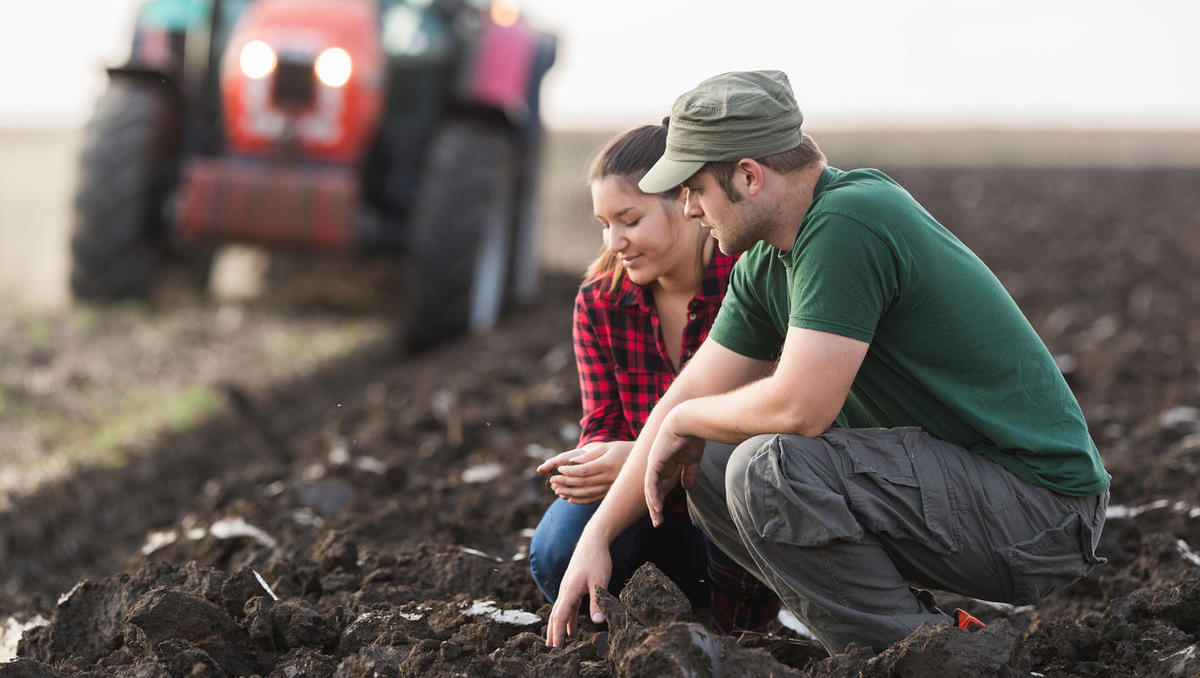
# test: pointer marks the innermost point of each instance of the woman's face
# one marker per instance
(648, 234)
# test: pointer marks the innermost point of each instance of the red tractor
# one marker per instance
(368, 126)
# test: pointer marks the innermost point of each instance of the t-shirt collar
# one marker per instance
(827, 176)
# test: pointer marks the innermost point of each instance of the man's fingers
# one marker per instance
(690, 473)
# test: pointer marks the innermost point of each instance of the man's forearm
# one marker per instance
(758, 407)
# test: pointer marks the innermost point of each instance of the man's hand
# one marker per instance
(591, 566)
(585, 474)
(674, 457)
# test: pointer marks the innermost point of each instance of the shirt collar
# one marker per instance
(827, 177)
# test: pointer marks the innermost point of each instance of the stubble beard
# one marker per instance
(747, 225)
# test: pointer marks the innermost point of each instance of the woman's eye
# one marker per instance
(634, 222)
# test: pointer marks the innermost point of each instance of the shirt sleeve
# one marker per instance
(602, 416)
(845, 277)
(743, 324)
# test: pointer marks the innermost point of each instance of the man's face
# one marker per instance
(736, 225)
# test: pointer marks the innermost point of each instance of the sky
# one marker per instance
(853, 63)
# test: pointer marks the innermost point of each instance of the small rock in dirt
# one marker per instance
(290, 624)
(165, 614)
(653, 598)
(239, 587)
(336, 551)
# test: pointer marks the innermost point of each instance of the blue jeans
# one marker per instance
(677, 548)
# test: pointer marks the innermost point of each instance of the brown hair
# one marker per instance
(792, 160)
(628, 156)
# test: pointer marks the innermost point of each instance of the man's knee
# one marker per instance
(736, 485)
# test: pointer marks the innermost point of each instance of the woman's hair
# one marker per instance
(628, 156)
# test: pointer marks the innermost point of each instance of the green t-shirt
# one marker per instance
(950, 351)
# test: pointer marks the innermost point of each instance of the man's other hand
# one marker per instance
(674, 457)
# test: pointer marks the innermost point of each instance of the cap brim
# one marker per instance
(667, 174)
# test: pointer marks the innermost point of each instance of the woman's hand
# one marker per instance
(591, 566)
(584, 475)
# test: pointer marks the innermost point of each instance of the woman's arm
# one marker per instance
(603, 418)
(583, 475)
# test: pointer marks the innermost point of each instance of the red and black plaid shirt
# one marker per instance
(624, 368)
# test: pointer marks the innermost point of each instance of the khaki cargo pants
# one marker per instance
(842, 525)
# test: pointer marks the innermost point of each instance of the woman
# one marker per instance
(646, 304)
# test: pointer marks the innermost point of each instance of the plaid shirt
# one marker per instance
(624, 368)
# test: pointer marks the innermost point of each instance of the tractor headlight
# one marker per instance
(505, 13)
(333, 67)
(257, 60)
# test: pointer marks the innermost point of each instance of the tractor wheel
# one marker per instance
(116, 236)
(460, 233)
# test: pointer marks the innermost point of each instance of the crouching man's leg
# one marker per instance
(841, 526)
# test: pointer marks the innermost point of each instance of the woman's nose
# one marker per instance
(614, 238)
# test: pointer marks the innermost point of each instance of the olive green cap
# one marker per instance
(744, 114)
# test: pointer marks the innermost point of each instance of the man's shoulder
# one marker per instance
(861, 191)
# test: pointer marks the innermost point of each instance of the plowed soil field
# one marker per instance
(373, 518)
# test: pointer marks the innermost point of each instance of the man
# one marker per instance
(870, 412)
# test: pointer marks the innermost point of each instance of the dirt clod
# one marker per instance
(653, 598)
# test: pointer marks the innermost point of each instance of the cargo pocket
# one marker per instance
(788, 505)
(1053, 559)
(897, 487)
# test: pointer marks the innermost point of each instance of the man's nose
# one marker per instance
(691, 206)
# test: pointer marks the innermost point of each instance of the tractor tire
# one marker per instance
(460, 233)
(117, 240)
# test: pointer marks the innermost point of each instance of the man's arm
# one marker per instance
(803, 396)
(714, 369)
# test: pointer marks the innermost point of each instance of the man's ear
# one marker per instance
(750, 174)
